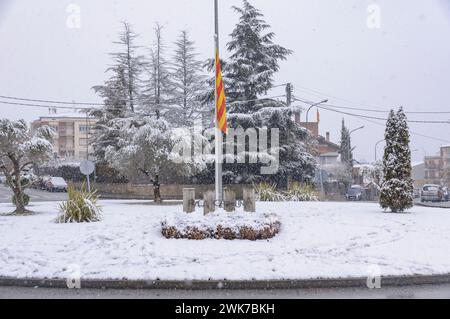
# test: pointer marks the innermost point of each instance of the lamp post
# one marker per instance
(350, 160)
(314, 105)
(376, 146)
(349, 135)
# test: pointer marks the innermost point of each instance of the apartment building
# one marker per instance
(72, 133)
(437, 167)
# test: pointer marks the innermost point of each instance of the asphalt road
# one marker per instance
(36, 195)
(413, 292)
(434, 204)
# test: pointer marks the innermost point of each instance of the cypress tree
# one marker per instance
(397, 188)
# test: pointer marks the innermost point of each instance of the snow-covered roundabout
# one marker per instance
(316, 240)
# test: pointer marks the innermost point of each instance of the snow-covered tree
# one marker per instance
(188, 82)
(19, 150)
(132, 63)
(346, 151)
(254, 58)
(248, 74)
(109, 117)
(159, 86)
(397, 187)
(295, 159)
(146, 148)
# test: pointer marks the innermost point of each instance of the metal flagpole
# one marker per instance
(218, 135)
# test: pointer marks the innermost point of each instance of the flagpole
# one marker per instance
(218, 135)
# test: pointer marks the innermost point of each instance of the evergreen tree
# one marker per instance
(132, 64)
(188, 82)
(346, 151)
(254, 58)
(397, 187)
(157, 95)
(247, 75)
(107, 129)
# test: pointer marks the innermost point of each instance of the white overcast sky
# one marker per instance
(405, 62)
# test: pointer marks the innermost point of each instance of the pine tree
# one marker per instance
(132, 64)
(397, 187)
(107, 129)
(188, 82)
(247, 75)
(254, 58)
(157, 95)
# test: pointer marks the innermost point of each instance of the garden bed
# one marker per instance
(230, 226)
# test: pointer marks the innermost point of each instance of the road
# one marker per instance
(36, 195)
(434, 204)
(426, 292)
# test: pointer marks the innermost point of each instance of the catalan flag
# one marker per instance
(221, 107)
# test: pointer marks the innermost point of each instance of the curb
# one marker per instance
(431, 206)
(389, 281)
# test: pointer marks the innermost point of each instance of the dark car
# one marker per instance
(354, 193)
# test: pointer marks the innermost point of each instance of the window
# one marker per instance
(84, 128)
(83, 142)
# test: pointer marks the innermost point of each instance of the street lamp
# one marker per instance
(349, 134)
(356, 129)
(376, 145)
(314, 105)
(350, 160)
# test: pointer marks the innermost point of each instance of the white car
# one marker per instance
(432, 193)
(56, 184)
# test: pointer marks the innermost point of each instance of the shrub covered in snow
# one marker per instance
(243, 226)
(268, 193)
(81, 207)
(301, 193)
(297, 193)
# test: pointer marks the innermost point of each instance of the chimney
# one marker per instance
(328, 136)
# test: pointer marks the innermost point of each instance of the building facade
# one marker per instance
(437, 168)
(72, 134)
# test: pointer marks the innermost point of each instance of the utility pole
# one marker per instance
(288, 94)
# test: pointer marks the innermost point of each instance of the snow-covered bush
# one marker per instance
(81, 207)
(301, 193)
(268, 193)
(236, 226)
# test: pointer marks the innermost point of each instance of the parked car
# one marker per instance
(354, 193)
(446, 194)
(56, 184)
(432, 193)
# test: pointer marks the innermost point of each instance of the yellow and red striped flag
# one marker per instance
(221, 107)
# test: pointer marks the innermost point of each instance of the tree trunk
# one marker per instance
(18, 191)
(157, 190)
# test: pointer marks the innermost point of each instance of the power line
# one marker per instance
(374, 109)
(255, 100)
(381, 118)
(382, 125)
(48, 101)
(47, 106)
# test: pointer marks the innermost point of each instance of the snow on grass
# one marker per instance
(317, 240)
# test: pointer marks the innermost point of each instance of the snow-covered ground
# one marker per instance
(317, 240)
